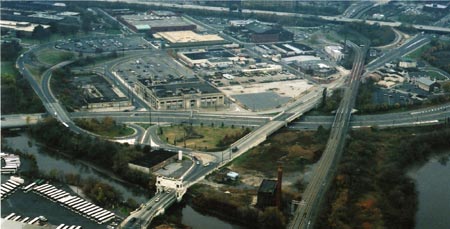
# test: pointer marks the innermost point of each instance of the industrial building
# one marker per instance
(260, 33)
(211, 57)
(407, 63)
(99, 94)
(269, 192)
(426, 84)
(187, 95)
(334, 52)
(153, 23)
(25, 27)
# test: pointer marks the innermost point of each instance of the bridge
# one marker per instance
(324, 171)
(20, 120)
(168, 190)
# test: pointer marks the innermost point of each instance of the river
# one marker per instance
(48, 161)
(433, 187)
(195, 220)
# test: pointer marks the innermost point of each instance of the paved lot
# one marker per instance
(103, 44)
(175, 169)
(261, 101)
(33, 205)
(158, 67)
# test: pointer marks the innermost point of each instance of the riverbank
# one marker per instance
(371, 188)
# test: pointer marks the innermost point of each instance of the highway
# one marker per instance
(323, 173)
(409, 46)
(265, 12)
(357, 9)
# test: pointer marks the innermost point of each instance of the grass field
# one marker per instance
(8, 68)
(53, 56)
(106, 127)
(435, 75)
(116, 132)
(207, 138)
(418, 52)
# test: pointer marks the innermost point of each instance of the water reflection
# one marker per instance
(433, 186)
(49, 161)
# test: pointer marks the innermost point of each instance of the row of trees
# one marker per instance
(18, 96)
(10, 50)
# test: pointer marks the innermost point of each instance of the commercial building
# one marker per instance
(407, 63)
(99, 94)
(177, 96)
(426, 84)
(153, 23)
(211, 57)
(260, 33)
(25, 27)
(335, 52)
(378, 16)
(437, 8)
(189, 37)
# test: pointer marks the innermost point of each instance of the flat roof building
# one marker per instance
(267, 193)
(153, 23)
(189, 37)
(177, 96)
(260, 32)
(426, 84)
(20, 26)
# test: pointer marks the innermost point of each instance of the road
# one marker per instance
(265, 12)
(323, 173)
(357, 9)
(409, 46)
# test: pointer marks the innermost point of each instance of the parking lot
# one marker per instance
(405, 94)
(103, 44)
(159, 68)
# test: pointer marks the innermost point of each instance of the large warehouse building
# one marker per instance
(180, 95)
(152, 23)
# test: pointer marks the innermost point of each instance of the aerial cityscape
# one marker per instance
(232, 114)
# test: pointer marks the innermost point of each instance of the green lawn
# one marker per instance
(53, 56)
(418, 52)
(8, 68)
(116, 132)
(106, 127)
(436, 75)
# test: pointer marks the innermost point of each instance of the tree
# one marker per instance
(10, 50)
(446, 87)
(40, 33)
(272, 218)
